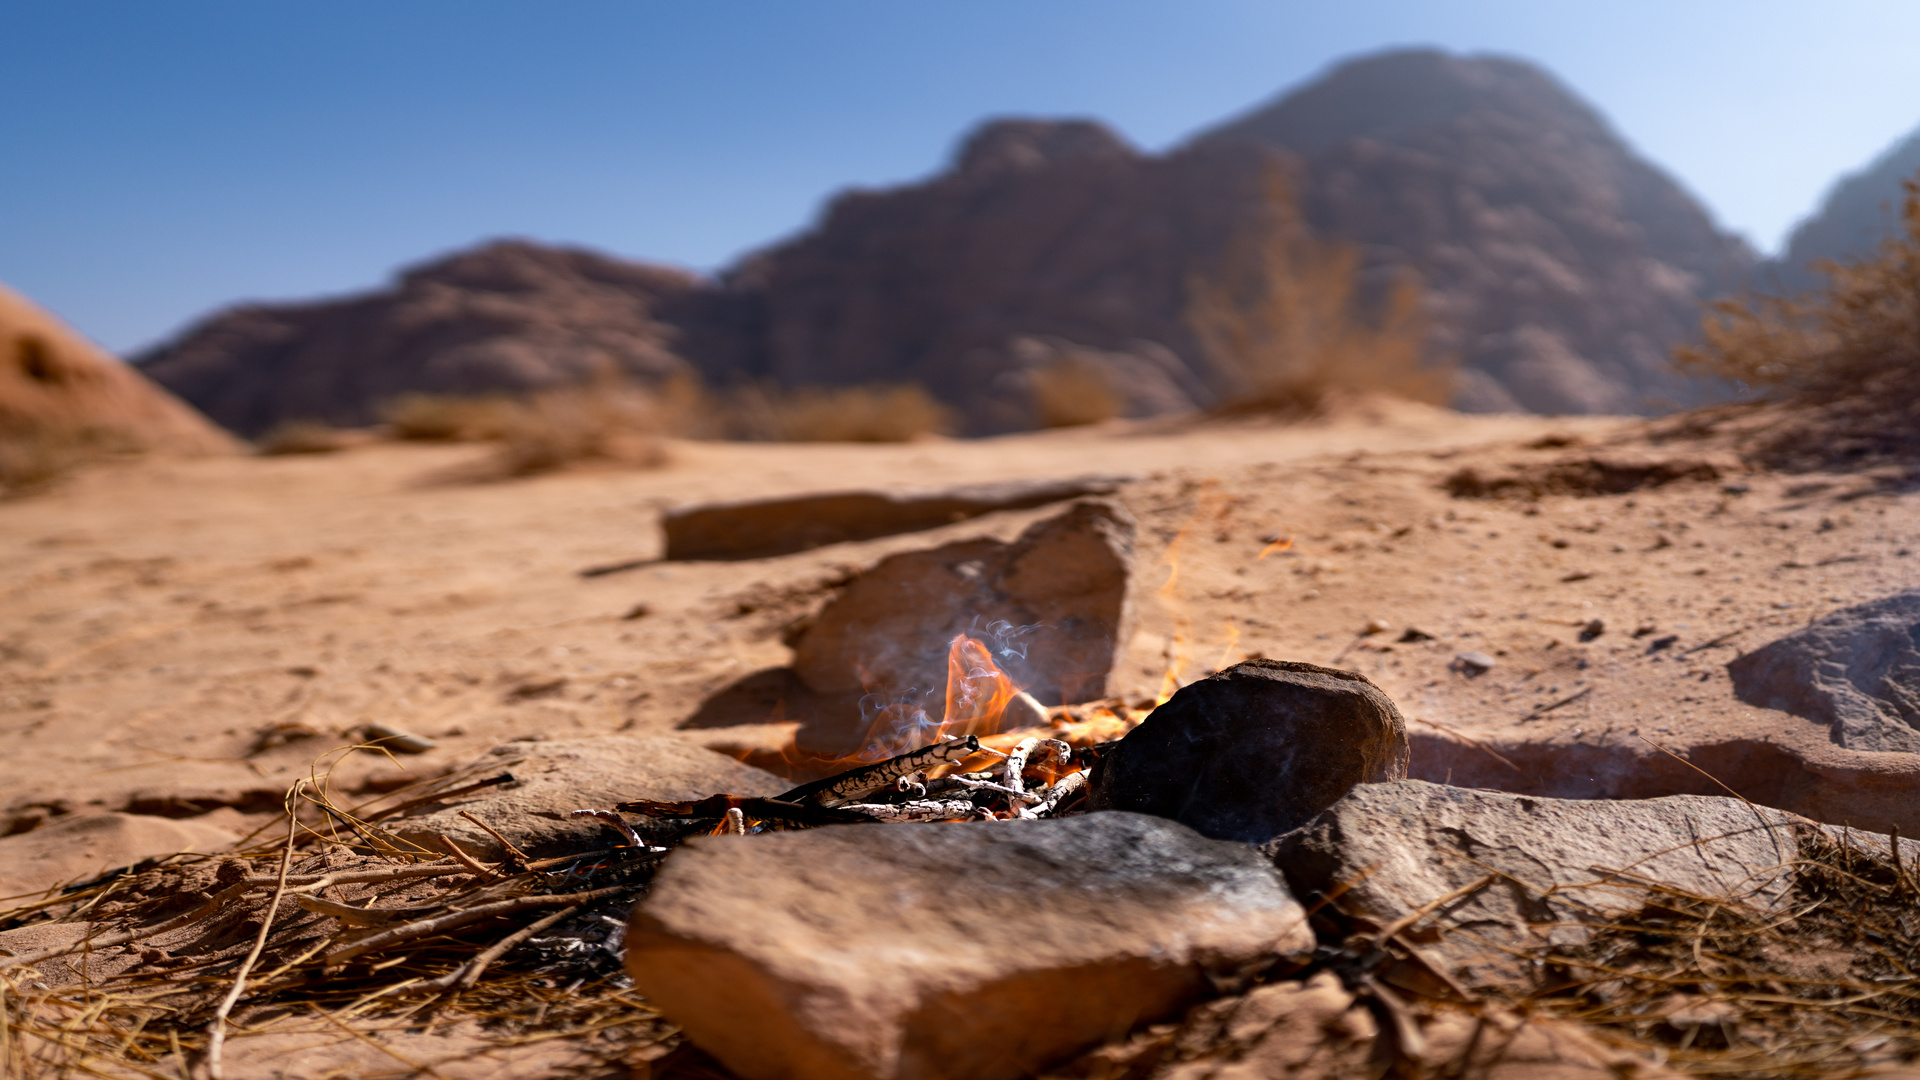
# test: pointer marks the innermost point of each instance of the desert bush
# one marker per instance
(1283, 321)
(585, 423)
(763, 412)
(1850, 350)
(448, 418)
(1073, 391)
(302, 437)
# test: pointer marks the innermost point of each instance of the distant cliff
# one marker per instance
(1560, 268)
(1860, 211)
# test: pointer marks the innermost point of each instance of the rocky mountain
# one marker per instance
(56, 385)
(1559, 267)
(1859, 211)
(508, 317)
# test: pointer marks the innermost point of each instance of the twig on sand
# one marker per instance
(1542, 710)
(217, 1031)
(466, 975)
(461, 917)
(1721, 640)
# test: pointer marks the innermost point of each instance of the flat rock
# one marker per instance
(83, 846)
(758, 528)
(978, 951)
(1053, 603)
(553, 779)
(1255, 750)
(1857, 670)
(1402, 845)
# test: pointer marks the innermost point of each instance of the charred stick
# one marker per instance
(867, 779)
(1017, 764)
(1068, 786)
(918, 810)
(969, 784)
(464, 976)
(736, 821)
(453, 919)
(614, 821)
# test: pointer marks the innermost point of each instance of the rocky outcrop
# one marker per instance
(1255, 750)
(56, 385)
(760, 528)
(1509, 874)
(1856, 670)
(1052, 606)
(962, 950)
(553, 779)
(509, 317)
(1560, 268)
(1859, 212)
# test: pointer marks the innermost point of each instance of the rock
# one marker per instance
(61, 394)
(961, 951)
(553, 779)
(1406, 844)
(1315, 1030)
(80, 847)
(1860, 211)
(1255, 750)
(506, 317)
(1472, 664)
(759, 528)
(1053, 604)
(1856, 670)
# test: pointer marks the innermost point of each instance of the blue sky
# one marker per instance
(163, 159)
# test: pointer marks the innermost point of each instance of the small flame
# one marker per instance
(977, 690)
(1279, 545)
(1232, 646)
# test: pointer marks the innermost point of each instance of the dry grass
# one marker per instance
(447, 418)
(606, 421)
(763, 412)
(304, 437)
(1072, 392)
(1283, 322)
(34, 456)
(1846, 355)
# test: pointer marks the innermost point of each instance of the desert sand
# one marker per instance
(185, 638)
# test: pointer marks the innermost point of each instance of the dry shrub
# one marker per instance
(33, 455)
(762, 412)
(588, 423)
(303, 437)
(1846, 356)
(447, 418)
(1071, 392)
(1580, 477)
(1283, 322)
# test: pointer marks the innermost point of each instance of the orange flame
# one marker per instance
(977, 690)
(1281, 544)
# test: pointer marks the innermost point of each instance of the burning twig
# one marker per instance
(736, 821)
(1069, 785)
(1017, 764)
(968, 783)
(857, 783)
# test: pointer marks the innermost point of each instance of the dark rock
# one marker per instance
(760, 528)
(1856, 670)
(509, 317)
(1559, 862)
(962, 951)
(553, 779)
(1255, 750)
(1063, 582)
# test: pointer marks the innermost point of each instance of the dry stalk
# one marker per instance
(217, 1031)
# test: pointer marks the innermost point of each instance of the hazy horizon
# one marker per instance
(187, 159)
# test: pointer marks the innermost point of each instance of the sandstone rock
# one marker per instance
(507, 317)
(1560, 862)
(61, 390)
(958, 951)
(1859, 212)
(553, 779)
(760, 528)
(83, 846)
(1316, 1030)
(1856, 670)
(1255, 750)
(1065, 577)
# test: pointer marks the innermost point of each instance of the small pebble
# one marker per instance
(1473, 663)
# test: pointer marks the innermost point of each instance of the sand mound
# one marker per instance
(62, 396)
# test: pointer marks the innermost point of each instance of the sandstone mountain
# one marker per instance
(1859, 211)
(57, 388)
(507, 317)
(1559, 269)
